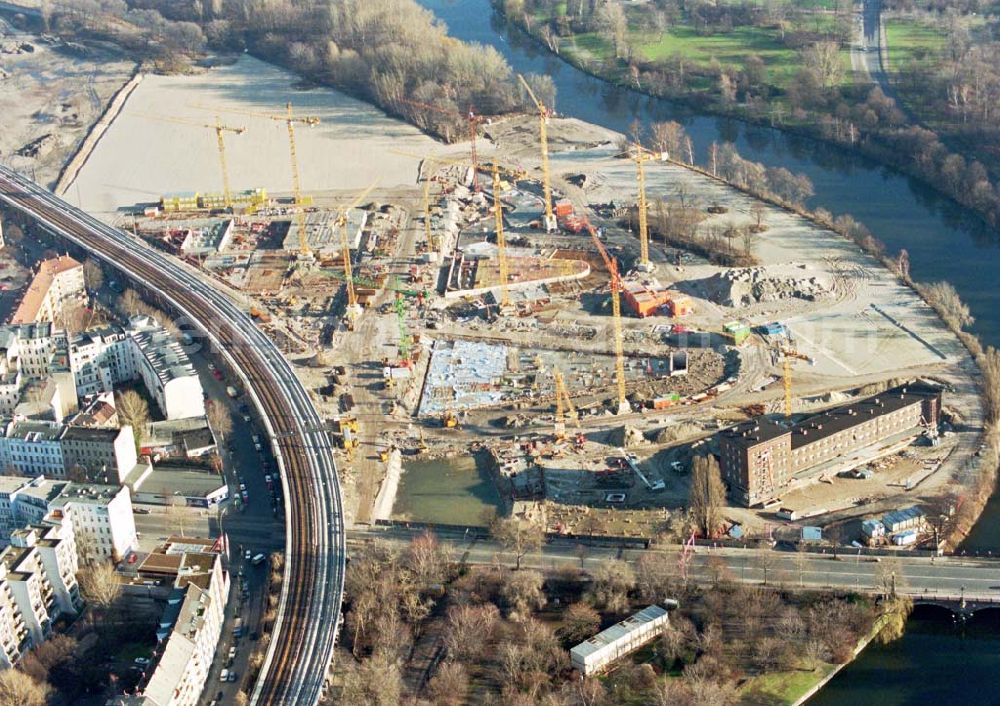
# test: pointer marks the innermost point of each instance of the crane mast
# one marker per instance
(616, 313)
(543, 120)
(640, 173)
(501, 243)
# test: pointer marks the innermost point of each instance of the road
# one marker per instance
(945, 577)
(299, 654)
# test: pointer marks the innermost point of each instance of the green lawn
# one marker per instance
(783, 688)
(911, 41)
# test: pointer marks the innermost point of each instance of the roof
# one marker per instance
(48, 270)
(812, 534)
(182, 481)
(850, 415)
(754, 432)
(105, 434)
(618, 631)
(164, 355)
(899, 516)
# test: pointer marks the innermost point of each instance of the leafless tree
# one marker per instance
(134, 411)
(100, 586)
(579, 622)
(612, 581)
(177, 513)
(375, 682)
(450, 684)
(823, 60)
(469, 629)
(520, 537)
(653, 571)
(220, 421)
(522, 592)
(19, 689)
(708, 494)
(93, 274)
(130, 303)
(428, 559)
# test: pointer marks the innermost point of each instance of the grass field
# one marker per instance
(781, 688)
(729, 48)
(911, 41)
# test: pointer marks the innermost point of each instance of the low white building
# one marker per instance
(607, 646)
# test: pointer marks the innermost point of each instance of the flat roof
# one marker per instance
(180, 481)
(618, 631)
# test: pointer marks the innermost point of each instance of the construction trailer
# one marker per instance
(680, 306)
(644, 301)
(736, 331)
(608, 646)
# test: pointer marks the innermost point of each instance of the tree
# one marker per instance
(517, 536)
(130, 303)
(220, 420)
(522, 592)
(708, 494)
(374, 682)
(133, 410)
(612, 582)
(579, 622)
(177, 513)
(100, 586)
(823, 61)
(889, 578)
(652, 572)
(93, 274)
(427, 558)
(468, 630)
(19, 689)
(450, 685)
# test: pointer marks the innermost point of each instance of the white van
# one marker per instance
(224, 676)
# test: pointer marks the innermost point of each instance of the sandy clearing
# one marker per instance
(140, 158)
(51, 92)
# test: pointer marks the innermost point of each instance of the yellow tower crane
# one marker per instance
(543, 120)
(616, 313)
(290, 119)
(220, 130)
(564, 405)
(790, 354)
(640, 156)
(341, 223)
(501, 243)
(433, 164)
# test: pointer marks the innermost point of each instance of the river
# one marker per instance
(944, 243)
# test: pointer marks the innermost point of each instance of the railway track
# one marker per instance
(305, 629)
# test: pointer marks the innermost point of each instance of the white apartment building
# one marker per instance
(42, 448)
(100, 516)
(102, 520)
(35, 377)
(105, 357)
(57, 282)
(37, 585)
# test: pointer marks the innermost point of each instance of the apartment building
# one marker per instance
(100, 516)
(44, 448)
(35, 377)
(761, 457)
(103, 358)
(191, 624)
(56, 548)
(57, 283)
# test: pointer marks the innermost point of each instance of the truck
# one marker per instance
(232, 391)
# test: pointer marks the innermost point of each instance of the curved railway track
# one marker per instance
(305, 629)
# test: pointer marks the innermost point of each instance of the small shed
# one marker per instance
(812, 534)
(872, 528)
(907, 518)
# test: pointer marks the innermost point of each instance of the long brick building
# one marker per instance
(761, 457)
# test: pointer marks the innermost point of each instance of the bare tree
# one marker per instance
(517, 536)
(130, 303)
(612, 582)
(522, 592)
(100, 585)
(823, 61)
(468, 630)
(134, 411)
(375, 682)
(579, 622)
(889, 577)
(93, 274)
(220, 421)
(19, 689)
(177, 513)
(428, 559)
(708, 494)
(450, 685)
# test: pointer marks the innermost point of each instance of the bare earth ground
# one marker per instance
(52, 91)
(144, 154)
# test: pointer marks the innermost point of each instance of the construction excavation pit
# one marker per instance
(443, 301)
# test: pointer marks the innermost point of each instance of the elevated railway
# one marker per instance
(305, 630)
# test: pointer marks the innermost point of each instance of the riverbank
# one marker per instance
(911, 150)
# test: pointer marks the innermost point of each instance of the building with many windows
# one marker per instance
(58, 282)
(100, 516)
(761, 457)
(43, 448)
(191, 624)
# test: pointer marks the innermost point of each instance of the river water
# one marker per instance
(935, 662)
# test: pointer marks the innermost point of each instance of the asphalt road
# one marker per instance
(945, 577)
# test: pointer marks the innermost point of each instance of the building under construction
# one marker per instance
(761, 457)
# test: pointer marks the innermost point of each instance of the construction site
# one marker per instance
(509, 299)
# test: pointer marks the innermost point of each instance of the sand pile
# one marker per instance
(757, 285)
